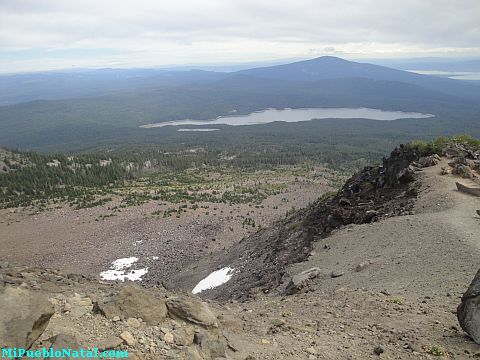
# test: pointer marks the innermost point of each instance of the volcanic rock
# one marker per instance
(468, 312)
(24, 316)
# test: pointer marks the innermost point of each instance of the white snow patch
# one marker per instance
(213, 280)
(117, 270)
(123, 263)
(155, 258)
(132, 275)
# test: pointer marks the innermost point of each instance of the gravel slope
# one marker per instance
(403, 302)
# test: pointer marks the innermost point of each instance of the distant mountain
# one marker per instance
(55, 85)
(431, 64)
(88, 108)
(329, 67)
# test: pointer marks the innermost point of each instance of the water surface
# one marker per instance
(296, 115)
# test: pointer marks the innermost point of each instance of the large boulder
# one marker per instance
(24, 315)
(134, 302)
(212, 344)
(468, 312)
(192, 310)
(463, 171)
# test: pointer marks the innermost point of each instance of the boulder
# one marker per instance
(468, 312)
(192, 310)
(463, 171)
(134, 302)
(133, 323)
(362, 266)
(428, 161)
(24, 315)
(128, 338)
(78, 305)
(111, 342)
(63, 341)
(233, 341)
(212, 344)
(187, 353)
(183, 336)
(301, 280)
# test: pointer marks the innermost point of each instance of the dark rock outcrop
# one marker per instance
(427, 161)
(374, 193)
(468, 312)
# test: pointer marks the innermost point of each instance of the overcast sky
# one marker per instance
(52, 34)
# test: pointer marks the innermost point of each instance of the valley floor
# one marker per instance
(88, 240)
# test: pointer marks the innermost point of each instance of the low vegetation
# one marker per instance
(187, 179)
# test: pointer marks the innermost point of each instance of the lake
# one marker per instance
(456, 75)
(296, 115)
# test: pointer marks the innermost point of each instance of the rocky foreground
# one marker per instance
(46, 308)
(376, 271)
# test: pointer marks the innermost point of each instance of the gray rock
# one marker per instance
(428, 161)
(468, 312)
(63, 341)
(135, 302)
(379, 350)
(133, 322)
(302, 280)
(233, 341)
(24, 316)
(128, 338)
(362, 266)
(335, 274)
(463, 171)
(110, 343)
(188, 353)
(183, 336)
(212, 345)
(79, 305)
(192, 310)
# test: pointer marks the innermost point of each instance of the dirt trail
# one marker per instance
(440, 239)
(461, 212)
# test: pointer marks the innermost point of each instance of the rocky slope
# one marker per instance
(376, 270)
(259, 261)
(47, 308)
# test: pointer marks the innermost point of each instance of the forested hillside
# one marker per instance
(112, 116)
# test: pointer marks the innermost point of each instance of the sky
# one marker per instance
(65, 34)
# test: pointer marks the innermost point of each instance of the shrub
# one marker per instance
(436, 350)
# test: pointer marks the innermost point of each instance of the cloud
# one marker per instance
(157, 32)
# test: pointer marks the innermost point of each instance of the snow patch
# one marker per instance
(123, 263)
(118, 270)
(213, 280)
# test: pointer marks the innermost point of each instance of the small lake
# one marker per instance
(456, 75)
(297, 115)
